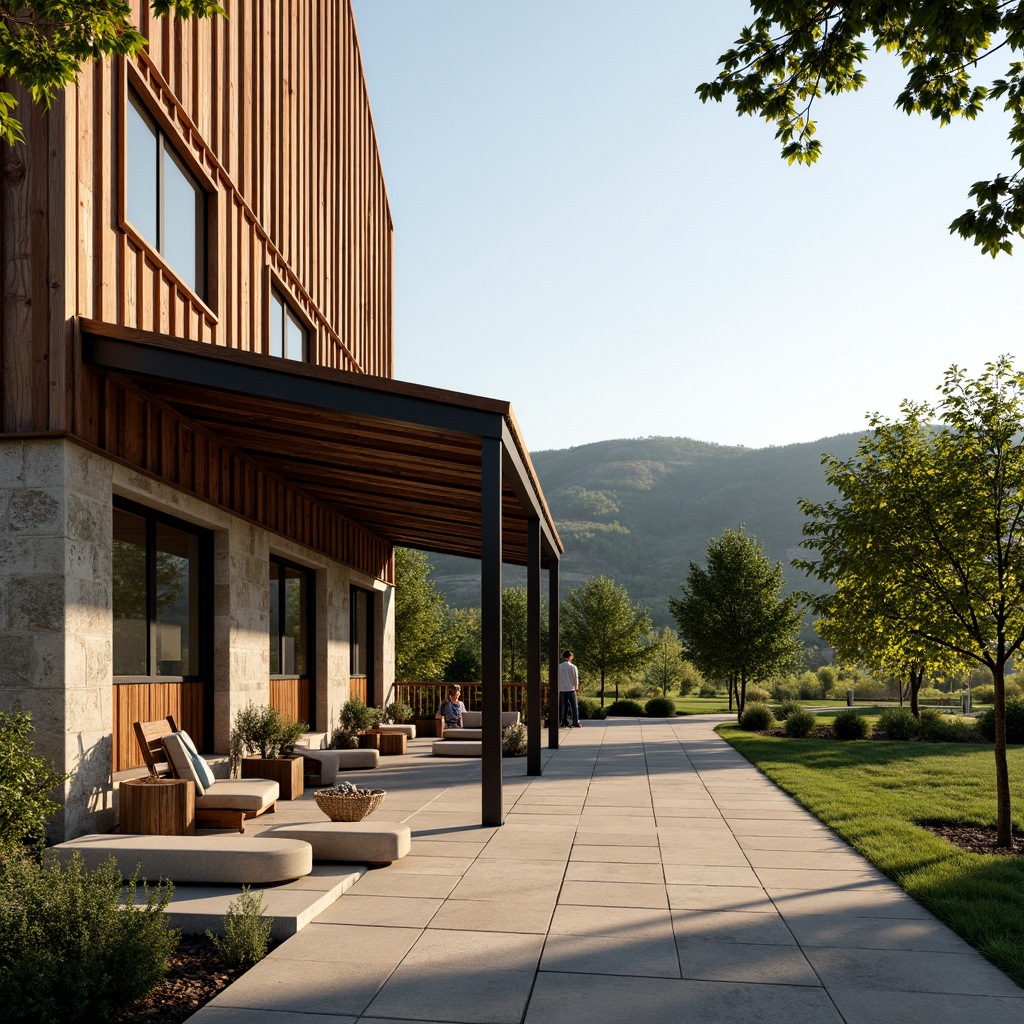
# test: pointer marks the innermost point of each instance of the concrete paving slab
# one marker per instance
(769, 964)
(859, 1006)
(645, 955)
(237, 1015)
(846, 932)
(384, 911)
(383, 883)
(609, 921)
(495, 915)
(731, 926)
(561, 998)
(503, 885)
(884, 901)
(746, 898)
(613, 894)
(624, 854)
(850, 879)
(710, 874)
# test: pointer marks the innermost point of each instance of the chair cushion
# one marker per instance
(472, 719)
(181, 762)
(239, 795)
(203, 770)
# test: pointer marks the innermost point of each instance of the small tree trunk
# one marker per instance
(602, 687)
(916, 679)
(731, 684)
(1004, 823)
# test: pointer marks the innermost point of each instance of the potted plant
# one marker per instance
(397, 713)
(261, 743)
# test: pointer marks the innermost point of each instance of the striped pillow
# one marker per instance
(203, 770)
(181, 761)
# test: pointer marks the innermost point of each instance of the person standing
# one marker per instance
(568, 689)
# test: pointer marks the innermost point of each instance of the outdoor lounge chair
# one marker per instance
(225, 802)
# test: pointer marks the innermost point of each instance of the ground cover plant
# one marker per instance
(880, 796)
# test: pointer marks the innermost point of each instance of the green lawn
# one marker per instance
(873, 793)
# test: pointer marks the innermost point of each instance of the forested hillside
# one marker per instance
(640, 510)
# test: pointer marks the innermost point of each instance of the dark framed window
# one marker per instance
(291, 618)
(160, 596)
(164, 201)
(287, 333)
(361, 635)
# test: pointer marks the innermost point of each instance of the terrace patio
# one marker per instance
(650, 873)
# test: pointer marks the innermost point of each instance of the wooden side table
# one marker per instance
(392, 743)
(285, 771)
(429, 727)
(370, 740)
(157, 807)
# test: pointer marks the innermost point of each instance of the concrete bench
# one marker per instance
(409, 731)
(357, 842)
(456, 748)
(333, 761)
(221, 859)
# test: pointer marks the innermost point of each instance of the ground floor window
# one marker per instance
(160, 595)
(361, 643)
(291, 616)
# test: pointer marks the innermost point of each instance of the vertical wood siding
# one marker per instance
(291, 698)
(147, 702)
(269, 108)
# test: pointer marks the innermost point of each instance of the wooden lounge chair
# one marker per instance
(224, 802)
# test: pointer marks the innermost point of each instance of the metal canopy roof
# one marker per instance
(402, 460)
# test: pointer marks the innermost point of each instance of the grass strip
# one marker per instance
(874, 794)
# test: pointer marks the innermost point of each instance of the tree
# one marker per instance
(665, 670)
(464, 665)
(928, 528)
(608, 634)
(514, 625)
(733, 620)
(795, 51)
(424, 637)
(44, 44)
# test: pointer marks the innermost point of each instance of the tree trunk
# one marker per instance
(731, 682)
(602, 687)
(1004, 824)
(916, 679)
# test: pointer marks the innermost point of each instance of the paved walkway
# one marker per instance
(650, 876)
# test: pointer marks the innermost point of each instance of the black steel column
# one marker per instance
(490, 629)
(554, 654)
(533, 688)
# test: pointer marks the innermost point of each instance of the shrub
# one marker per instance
(397, 712)
(660, 707)
(626, 709)
(757, 694)
(810, 686)
(1014, 721)
(848, 725)
(983, 694)
(690, 680)
(756, 717)
(73, 945)
(938, 728)
(828, 678)
(260, 729)
(25, 802)
(246, 931)
(800, 723)
(590, 708)
(786, 708)
(785, 688)
(357, 717)
(708, 690)
(513, 740)
(634, 692)
(899, 724)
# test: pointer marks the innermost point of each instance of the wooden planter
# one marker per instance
(157, 807)
(285, 771)
(429, 727)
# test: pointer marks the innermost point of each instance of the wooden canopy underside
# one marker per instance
(401, 460)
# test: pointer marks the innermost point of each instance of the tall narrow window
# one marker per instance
(290, 617)
(157, 596)
(163, 200)
(362, 635)
(287, 335)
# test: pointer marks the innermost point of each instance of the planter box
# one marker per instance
(285, 771)
(429, 727)
(157, 807)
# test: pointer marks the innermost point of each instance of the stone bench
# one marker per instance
(333, 761)
(409, 731)
(220, 859)
(353, 842)
(456, 748)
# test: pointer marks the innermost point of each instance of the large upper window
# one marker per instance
(290, 610)
(156, 596)
(287, 335)
(163, 199)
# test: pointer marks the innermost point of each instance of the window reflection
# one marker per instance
(181, 199)
(177, 600)
(130, 632)
(141, 175)
(289, 619)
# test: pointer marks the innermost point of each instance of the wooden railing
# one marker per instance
(425, 698)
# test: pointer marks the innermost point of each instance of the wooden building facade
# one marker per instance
(195, 242)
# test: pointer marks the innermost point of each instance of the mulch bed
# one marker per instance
(194, 977)
(976, 839)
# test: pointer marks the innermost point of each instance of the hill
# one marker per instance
(640, 510)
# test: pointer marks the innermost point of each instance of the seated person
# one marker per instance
(451, 708)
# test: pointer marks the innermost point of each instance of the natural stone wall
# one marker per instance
(55, 614)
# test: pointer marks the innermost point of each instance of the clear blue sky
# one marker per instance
(577, 234)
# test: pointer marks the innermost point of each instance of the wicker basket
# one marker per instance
(348, 806)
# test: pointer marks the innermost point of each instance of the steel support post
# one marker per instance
(554, 654)
(533, 687)
(490, 629)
